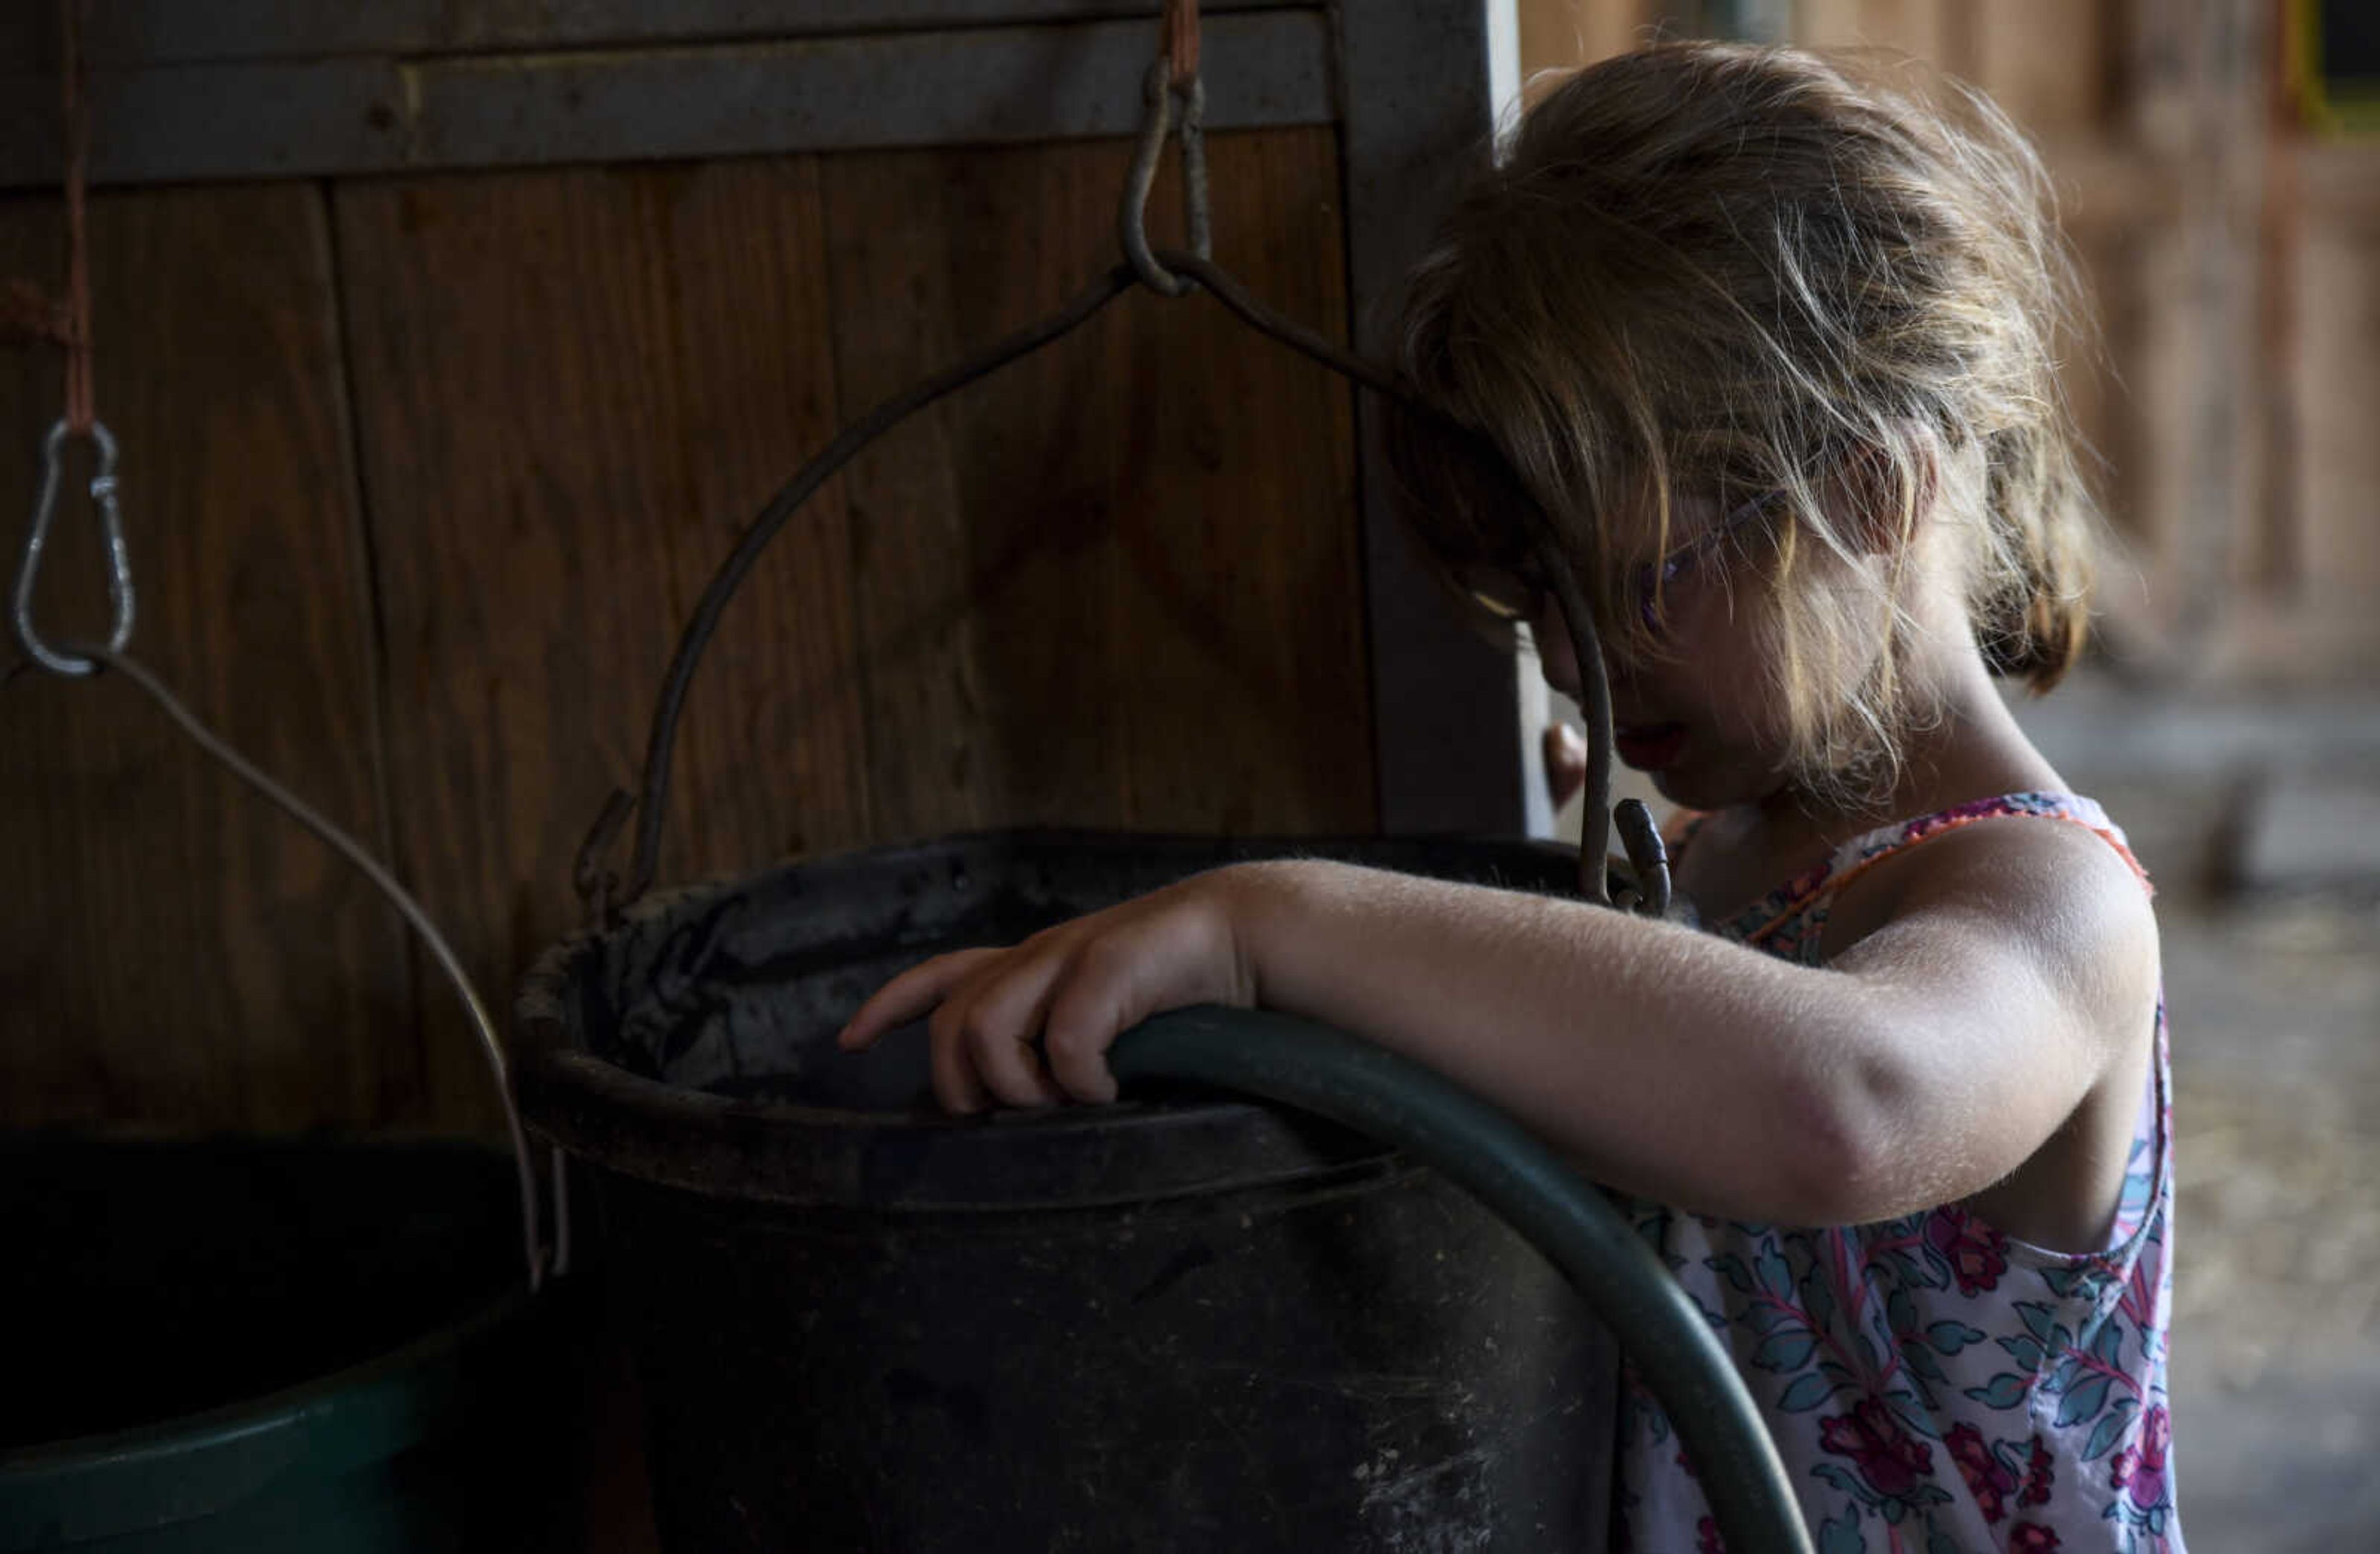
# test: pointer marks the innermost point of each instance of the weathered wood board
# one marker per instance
(1119, 585)
(573, 388)
(173, 952)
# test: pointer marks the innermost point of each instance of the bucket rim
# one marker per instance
(797, 1154)
(824, 1158)
(179, 1470)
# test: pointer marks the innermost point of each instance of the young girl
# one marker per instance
(1770, 343)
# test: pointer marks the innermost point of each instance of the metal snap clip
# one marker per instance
(1179, 107)
(119, 560)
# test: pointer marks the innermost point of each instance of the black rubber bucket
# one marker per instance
(1176, 1323)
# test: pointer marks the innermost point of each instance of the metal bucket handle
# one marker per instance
(537, 1258)
(604, 895)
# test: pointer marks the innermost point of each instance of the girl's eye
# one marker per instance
(1651, 577)
(1652, 581)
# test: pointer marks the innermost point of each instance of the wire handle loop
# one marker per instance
(1177, 105)
(541, 1258)
(605, 894)
(111, 524)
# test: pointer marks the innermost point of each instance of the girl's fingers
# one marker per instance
(1085, 1016)
(1029, 1026)
(909, 995)
(984, 1030)
(1001, 1025)
(955, 1085)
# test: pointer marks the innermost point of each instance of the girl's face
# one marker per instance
(1698, 719)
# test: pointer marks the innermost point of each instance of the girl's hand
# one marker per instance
(1030, 1025)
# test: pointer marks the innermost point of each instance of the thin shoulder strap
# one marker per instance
(1861, 853)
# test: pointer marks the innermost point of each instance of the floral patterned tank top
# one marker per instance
(1932, 1385)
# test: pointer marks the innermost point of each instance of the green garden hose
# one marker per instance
(1361, 1085)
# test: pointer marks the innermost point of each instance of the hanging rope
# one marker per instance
(74, 106)
(1182, 40)
(29, 315)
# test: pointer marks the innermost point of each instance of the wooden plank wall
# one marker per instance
(2234, 259)
(1116, 587)
(169, 950)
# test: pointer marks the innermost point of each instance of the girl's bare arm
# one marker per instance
(1924, 1063)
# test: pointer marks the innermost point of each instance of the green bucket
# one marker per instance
(268, 1345)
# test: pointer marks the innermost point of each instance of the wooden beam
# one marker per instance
(380, 113)
(1446, 705)
(129, 34)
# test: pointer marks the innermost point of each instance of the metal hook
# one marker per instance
(119, 560)
(1649, 857)
(1159, 91)
(1645, 889)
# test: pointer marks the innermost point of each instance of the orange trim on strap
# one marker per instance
(1942, 826)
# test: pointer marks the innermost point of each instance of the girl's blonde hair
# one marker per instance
(1740, 272)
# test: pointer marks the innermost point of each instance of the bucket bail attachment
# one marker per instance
(1174, 99)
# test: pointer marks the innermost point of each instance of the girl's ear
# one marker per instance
(1887, 492)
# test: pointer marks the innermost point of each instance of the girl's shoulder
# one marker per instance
(1983, 848)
